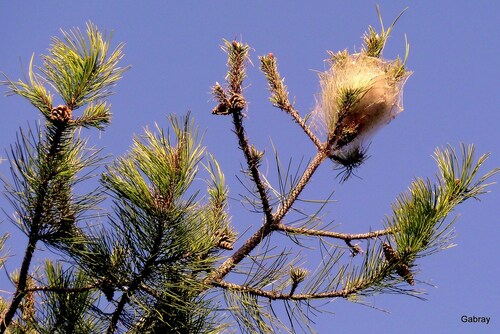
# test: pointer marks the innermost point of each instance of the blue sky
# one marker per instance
(452, 97)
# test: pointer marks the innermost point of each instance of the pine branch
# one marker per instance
(66, 302)
(374, 43)
(237, 58)
(45, 167)
(331, 234)
(169, 239)
(135, 284)
(80, 69)
(253, 159)
(56, 142)
(278, 295)
(279, 95)
(415, 229)
(231, 99)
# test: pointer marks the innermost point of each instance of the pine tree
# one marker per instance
(165, 259)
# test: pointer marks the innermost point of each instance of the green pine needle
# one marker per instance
(81, 68)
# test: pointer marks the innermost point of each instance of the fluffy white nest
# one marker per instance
(374, 88)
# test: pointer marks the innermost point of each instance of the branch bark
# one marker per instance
(277, 295)
(331, 234)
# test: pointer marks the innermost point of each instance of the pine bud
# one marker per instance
(256, 155)
(355, 248)
(404, 271)
(219, 93)
(298, 274)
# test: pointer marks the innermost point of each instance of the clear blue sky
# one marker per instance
(452, 97)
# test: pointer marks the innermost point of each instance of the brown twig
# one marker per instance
(277, 295)
(331, 234)
(355, 249)
(252, 163)
(279, 95)
(236, 62)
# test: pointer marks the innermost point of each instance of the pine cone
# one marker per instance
(402, 269)
(61, 114)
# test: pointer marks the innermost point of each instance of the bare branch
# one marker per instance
(279, 95)
(253, 160)
(277, 295)
(331, 234)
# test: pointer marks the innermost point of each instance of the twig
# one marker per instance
(276, 295)
(252, 163)
(21, 285)
(279, 94)
(355, 249)
(331, 234)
